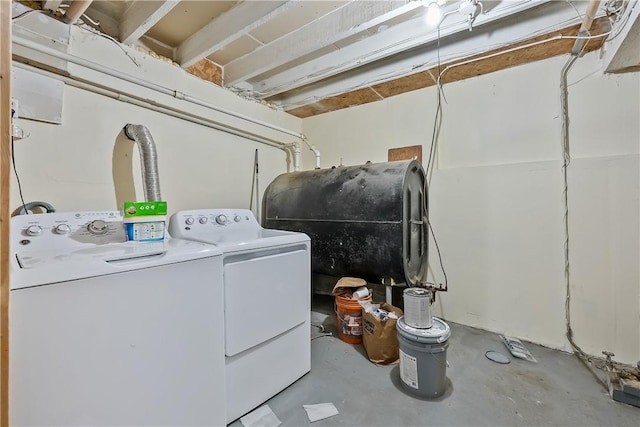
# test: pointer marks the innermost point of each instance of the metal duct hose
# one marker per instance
(148, 158)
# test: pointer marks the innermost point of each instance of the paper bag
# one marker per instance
(379, 337)
(346, 285)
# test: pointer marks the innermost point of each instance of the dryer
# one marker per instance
(267, 302)
(108, 332)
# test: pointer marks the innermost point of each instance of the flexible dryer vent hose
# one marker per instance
(148, 158)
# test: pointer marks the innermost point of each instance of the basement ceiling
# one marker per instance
(307, 57)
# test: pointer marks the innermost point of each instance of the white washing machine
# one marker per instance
(112, 333)
(267, 302)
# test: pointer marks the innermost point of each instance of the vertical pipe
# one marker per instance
(566, 159)
(297, 153)
(589, 16)
(257, 188)
(75, 10)
(566, 154)
(564, 101)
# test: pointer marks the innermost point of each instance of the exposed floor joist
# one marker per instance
(499, 59)
(227, 28)
(353, 18)
(409, 34)
(141, 16)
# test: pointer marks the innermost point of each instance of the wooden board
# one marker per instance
(5, 168)
(501, 59)
(345, 100)
(206, 70)
(405, 153)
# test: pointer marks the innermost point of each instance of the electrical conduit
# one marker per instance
(166, 91)
(578, 47)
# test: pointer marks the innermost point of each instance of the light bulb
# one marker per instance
(434, 15)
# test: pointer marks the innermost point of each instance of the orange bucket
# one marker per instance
(349, 319)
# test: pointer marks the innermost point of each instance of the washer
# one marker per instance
(267, 302)
(108, 332)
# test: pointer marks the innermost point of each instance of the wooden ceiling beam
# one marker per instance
(140, 16)
(346, 21)
(401, 37)
(524, 52)
(227, 28)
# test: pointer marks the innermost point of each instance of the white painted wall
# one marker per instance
(88, 164)
(496, 197)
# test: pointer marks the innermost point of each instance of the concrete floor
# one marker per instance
(558, 390)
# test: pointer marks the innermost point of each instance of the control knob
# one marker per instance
(62, 229)
(189, 221)
(203, 220)
(221, 219)
(34, 230)
(98, 226)
(237, 218)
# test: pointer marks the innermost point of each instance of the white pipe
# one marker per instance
(75, 10)
(256, 166)
(297, 152)
(154, 106)
(312, 147)
(317, 153)
(141, 82)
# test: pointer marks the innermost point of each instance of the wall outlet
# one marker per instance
(15, 108)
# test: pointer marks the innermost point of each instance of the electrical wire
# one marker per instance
(381, 78)
(437, 122)
(91, 30)
(435, 137)
(86, 17)
(559, 37)
(576, 9)
(15, 171)
(624, 20)
(83, 27)
(597, 70)
(29, 12)
(586, 359)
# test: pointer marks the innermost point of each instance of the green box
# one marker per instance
(145, 221)
(140, 209)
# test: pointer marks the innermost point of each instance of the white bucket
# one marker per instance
(417, 307)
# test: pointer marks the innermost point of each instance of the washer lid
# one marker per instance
(439, 331)
(35, 268)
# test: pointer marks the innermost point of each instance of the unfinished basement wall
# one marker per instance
(496, 197)
(87, 163)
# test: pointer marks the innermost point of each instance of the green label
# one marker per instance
(136, 209)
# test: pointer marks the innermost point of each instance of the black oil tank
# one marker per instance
(366, 221)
